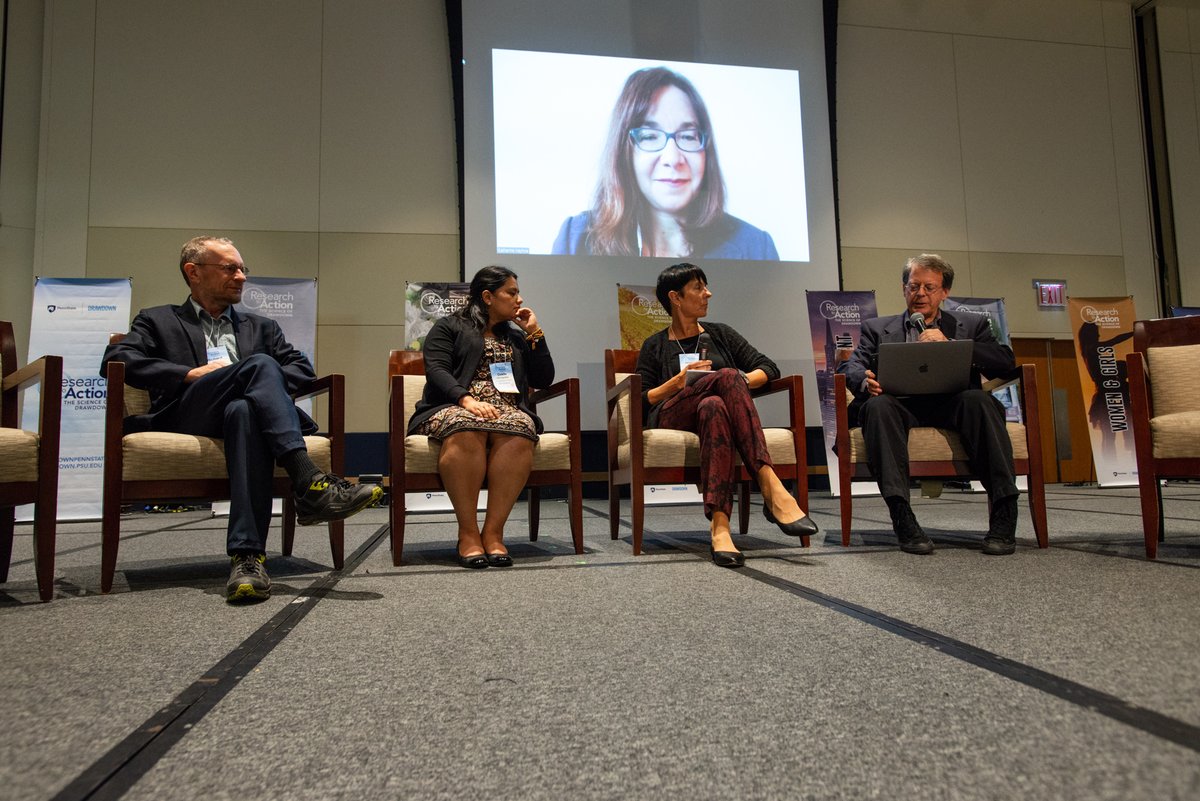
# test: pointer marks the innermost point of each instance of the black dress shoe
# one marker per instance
(996, 545)
(727, 558)
(912, 537)
(475, 561)
(499, 560)
(804, 527)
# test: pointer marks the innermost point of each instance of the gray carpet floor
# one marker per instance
(819, 673)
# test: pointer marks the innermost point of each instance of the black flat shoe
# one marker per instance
(804, 527)
(727, 558)
(499, 560)
(474, 561)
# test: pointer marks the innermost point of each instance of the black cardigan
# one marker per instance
(452, 351)
(658, 360)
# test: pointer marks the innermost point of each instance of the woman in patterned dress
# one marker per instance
(480, 363)
(716, 406)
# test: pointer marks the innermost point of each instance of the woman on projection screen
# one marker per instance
(661, 192)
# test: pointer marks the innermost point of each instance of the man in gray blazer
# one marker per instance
(215, 372)
(973, 413)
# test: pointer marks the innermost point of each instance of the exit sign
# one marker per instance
(1051, 294)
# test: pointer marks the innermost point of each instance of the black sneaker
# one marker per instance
(248, 579)
(912, 537)
(330, 497)
(1001, 539)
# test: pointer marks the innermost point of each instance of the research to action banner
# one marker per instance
(73, 318)
(1103, 338)
(835, 320)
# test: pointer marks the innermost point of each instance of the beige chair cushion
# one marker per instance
(157, 455)
(668, 447)
(137, 401)
(18, 455)
(1176, 436)
(1174, 379)
(552, 452)
(937, 445)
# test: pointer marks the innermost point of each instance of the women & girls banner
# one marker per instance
(1103, 338)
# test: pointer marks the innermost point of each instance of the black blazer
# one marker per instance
(165, 342)
(452, 351)
(990, 357)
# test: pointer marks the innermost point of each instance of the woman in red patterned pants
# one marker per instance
(715, 404)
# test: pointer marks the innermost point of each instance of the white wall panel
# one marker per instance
(1038, 155)
(387, 119)
(900, 177)
(1076, 21)
(207, 114)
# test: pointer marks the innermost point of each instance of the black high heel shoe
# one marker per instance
(804, 527)
(499, 560)
(475, 561)
(727, 558)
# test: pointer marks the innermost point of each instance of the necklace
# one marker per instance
(671, 336)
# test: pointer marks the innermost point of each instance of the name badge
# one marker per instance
(502, 377)
(687, 358)
(218, 353)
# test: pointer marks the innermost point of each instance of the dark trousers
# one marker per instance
(719, 409)
(247, 405)
(974, 414)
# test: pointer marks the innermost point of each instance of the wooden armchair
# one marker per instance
(557, 457)
(638, 456)
(162, 466)
(938, 452)
(28, 460)
(1164, 401)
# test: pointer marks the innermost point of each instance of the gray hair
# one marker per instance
(929, 261)
(195, 250)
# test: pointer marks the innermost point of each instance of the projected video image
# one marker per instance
(628, 157)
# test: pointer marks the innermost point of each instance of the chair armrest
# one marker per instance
(317, 386)
(47, 371)
(632, 384)
(32, 372)
(555, 390)
(334, 386)
(1003, 379)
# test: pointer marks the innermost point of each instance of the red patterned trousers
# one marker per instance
(719, 409)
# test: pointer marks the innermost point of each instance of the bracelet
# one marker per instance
(534, 337)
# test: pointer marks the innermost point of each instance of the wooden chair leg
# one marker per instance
(846, 503)
(337, 543)
(44, 530)
(575, 510)
(744, 508)
(535, 512)
(110, 538)
(1037, 509)
(1151, 495)
(8, 517)
(614, 510)
(288, 525)
(396, 521)
(637, 505)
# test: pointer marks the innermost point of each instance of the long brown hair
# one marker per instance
(619, 202)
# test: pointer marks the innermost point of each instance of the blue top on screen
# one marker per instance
(728, 238)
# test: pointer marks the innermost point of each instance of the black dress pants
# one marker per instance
(974, 414)
(248, 406)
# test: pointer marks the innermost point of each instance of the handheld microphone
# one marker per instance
(918, 321)
(703, 345)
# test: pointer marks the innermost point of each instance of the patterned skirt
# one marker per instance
(512, 421)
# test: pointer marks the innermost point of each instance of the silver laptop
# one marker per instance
(925, 368)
